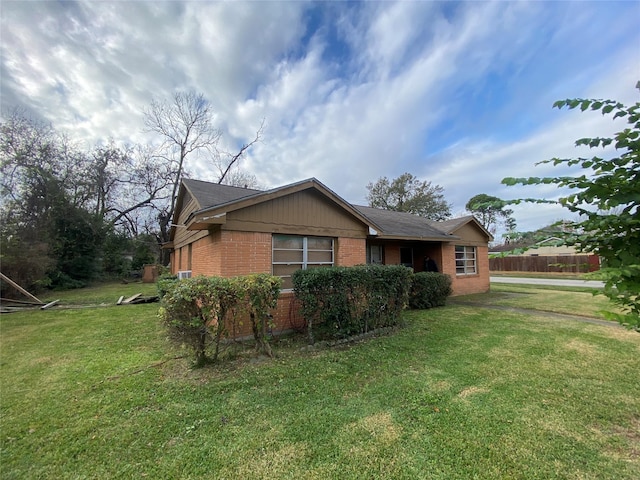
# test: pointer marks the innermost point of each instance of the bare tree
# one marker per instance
(225, 161)
(186, 127)
(125, 182)
(185, 124)
(241, 178)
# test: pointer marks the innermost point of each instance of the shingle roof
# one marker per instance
(450, 226)
(404, 225)
(392, 224)
(208, 194)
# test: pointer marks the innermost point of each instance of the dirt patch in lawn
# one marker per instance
(474, 390)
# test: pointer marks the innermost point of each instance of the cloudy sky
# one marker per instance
(459, 94)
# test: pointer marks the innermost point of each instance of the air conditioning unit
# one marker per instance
(184, 274)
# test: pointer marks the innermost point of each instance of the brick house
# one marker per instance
(227, 231)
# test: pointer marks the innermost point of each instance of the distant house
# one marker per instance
(549, 247)
(227, 231)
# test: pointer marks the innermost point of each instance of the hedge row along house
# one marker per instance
(227, 231)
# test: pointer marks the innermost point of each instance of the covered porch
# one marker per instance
(410, 253)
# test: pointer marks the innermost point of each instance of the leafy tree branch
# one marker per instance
(607, 199)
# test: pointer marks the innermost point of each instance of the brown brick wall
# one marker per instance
(182, 261)
(286, 317)
(392, 254)
(446, 261)
(467, 284)
(206, 256)
(231, 253)
(244, 253)
(351, 251)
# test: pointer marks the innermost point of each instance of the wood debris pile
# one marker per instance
(135, 299)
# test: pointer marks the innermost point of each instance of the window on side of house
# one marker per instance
(466, 260)
(293, 252)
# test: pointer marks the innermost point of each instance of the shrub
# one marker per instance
(196, 311)
(339, 302)
(429, 289)
(165, 282)
(260, 295)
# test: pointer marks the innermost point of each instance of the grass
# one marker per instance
(460, 392)
(597, 275)
(103, 294)
(565, 300)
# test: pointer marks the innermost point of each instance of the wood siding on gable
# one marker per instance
(471, 235)
(303, 213)
(183, 236)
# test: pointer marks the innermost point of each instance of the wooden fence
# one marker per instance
(551, 263)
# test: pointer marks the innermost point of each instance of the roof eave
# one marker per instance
(447, 238)
(202, 221)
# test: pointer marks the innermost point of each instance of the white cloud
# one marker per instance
(477, 167)
(457, 93)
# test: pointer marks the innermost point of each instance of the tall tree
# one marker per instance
(409, 194)
(606, 196)
(58, 203)
(186, 127)
(491, 211)
(43, 196)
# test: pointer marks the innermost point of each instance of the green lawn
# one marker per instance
(566, 300)
(105, 294)
(597, 275)
(460, 392)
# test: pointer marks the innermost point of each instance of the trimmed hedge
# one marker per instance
(340, 302)
(429, 289)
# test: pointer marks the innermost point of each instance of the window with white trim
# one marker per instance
(466, 260)
(293, 252)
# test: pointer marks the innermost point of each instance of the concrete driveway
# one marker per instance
(549, 281)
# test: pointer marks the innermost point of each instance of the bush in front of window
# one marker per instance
(429, 289)
(340, 302)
